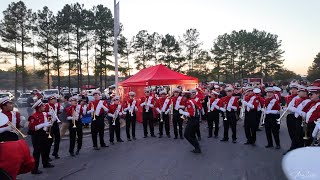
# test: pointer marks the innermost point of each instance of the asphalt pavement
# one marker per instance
(166, 159)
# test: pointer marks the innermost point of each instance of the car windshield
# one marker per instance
(3, 95)
(25, 95)
(50, 92)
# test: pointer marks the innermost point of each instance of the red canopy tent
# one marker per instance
(154, 76)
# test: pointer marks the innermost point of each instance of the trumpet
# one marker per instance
(243, 109)
(115, 117)
(208, 104)
(74, 119)
(146, 105)
(263, 116)
(5, 121)
(49, 132)
(161, 117)
(93, 114)
(305, 128)
(54, 114)
(283, 114)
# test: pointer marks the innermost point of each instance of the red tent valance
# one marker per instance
(158, 75)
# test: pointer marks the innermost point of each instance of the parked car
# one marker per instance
(48, 93)
(6, 94)
(22, 100)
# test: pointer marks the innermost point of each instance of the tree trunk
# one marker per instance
(48, 67)
(95, 67)
(58, 68)
(22, 62)
(16, 70)
(88, 62)
(69, 61)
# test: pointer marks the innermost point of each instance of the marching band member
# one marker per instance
(192, 114)
(38, 123)
(257, 92)
(251, 103)
(147, 103)
(177, 103)
(291, 120)
(299, 104)
(277, 92)
(6, 133)
(98, 108)
(230, 121)
(272, 111)
(115, 112)
(74, 114)
(163, 108)
(197, 97)
(131, 117)
(53, 108)
(213, 114)
(311, 112)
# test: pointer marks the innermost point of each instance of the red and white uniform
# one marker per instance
(272, 106)
(98, 107)
(57, 108)
(277, 95)
(178, 103)
(312, 111)
(78, 110)
(230, 103)
(190, 108)
(130, 106)
(113, 108)
(215, 104)
(163, 105)
(14, 118)
(37, 118)
(261, 102)
(299, 104)
(251, 103)
(147, 102)
(290, 100)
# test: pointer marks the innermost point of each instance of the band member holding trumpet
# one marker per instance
(291, 120)
(214, 105)
(197, 96)
(97, 108)
(114, 114)
(311, 112)
(130, 111)
(177, 103)
(231, 106)
(38, 125)
(257, 92)
(74, 113)
(163, 108)
(7, 132)
(250, 103)
(147, 103)
(272, 124)
(191, 112)
(53, 108)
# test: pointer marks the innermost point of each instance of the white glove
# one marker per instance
(316, 130)
(167, 112)
(120, 113)
(245, 103)
(143, 104)
(151, 105)
(69, 118)
(303, 114)
(89, 112)
(43, 125)
(181, 111)
(4, 129)
(110, 115)
(268, 112)
(181, 107)
(105, 108)
(158, 110)
(223, 109)
(234, 108)
(229, 109)
(250, 105)
(47, 124)
(263, 110)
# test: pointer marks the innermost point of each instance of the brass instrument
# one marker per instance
(242, 111)
(49, 132)
(283, 114)
(7, 122)
(93, 114)
(305, 128)
(146, 102)
(54, 114)
(115, 116)
(208, 104)
(74, 119)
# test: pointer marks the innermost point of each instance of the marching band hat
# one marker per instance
(193, 91)
(216, 86)
(176, 90)
(249, 88)
(38, 95)
(277, 88)
(228, 88)
(270, 89)
(132, 93)
(147, 89)
(302, 88)
(162, 92)
(214, 92)
(96, 92)
(314, 89)
(257, 90)
(4, 101)
(73, 98)
(294, 85)
(37, 104)
(116, 98)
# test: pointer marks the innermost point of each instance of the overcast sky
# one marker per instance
(296, 22)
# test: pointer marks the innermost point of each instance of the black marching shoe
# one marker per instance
(199, 138)
(153, 135)
(216, 136)
(196, 151)
(36, 172)
(224, 140)
(234, 141)
(168, 136)
(181, 137)
(145, 136)
(210, 136)
(49, 159)
(56, 156)
(278, 147)
(247, 143)
(129, 139)
(48, 166)
(77, 152)
(72, 154)
(268, 146)
(160, 136)
(176, 137)
(112, 143)
(120, 140)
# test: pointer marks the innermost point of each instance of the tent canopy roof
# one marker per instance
(158, 75)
